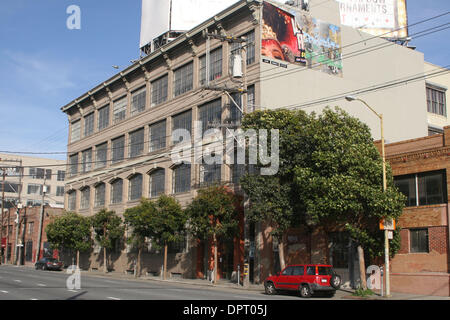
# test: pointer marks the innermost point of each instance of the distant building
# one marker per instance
(26, 177)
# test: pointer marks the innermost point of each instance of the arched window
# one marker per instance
(181, 178)
(85, 198)
(135, 187)
(157, 182)
(116, 191)
(100, 195)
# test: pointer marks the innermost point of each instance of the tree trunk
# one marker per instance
(138, 263)
(78, 259)
(281, 254)
(215, 259)
(105, 263)
(362, 267)
(165, 260)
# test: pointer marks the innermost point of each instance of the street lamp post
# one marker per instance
(383, 155)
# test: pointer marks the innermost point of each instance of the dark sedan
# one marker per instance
(48, 264)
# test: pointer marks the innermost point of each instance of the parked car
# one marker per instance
(48, 264)
(306, 279)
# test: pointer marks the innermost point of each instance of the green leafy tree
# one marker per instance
(70, 231)
(273, 197)
(167, 223)
(139, 220)
(212, 213)
(108, 229)
(342, 183)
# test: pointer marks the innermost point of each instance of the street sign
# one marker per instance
(387, 224)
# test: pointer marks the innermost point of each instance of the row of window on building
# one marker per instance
(209, 115)
(181, 182)
(182, 82)
(32, 189)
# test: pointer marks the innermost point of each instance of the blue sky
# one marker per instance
(44, 65)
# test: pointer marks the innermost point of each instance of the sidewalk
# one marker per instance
(343, 293)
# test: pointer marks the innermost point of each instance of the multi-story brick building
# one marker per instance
(24, 250)
(421, 169)
(120, 131)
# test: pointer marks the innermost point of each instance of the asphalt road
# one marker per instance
(24, 283)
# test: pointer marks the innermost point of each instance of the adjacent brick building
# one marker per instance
(27, 234)
(421, 169)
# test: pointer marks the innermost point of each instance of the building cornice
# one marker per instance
(162, 51)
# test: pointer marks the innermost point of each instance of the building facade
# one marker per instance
(121, 132)
(26, 177)
(421, 169)
(22, 238)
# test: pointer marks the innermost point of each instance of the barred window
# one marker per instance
(89, 124)
(116, 191)
(209, 173)
(59, 191)
(103, 117)
(158, 136)
(118, 149)
(182, 178)
(215, 66)
(85, 198)
(73, 164)
(138, 100)
(210, 113)
(48, 174)
(135, 187)
(235, 112)
(419, 240)
(120, 109)
(61, 175)
(157, 182)
(75, 131)
(237, 169)
(72, 200)
(86, 164)
(101, 155)
(182, 121)
(32, 189)
(436, 100)
(136, 143)
(159, 90)
(183, 79)
(250, 47)
(250, 98)
(100, 195)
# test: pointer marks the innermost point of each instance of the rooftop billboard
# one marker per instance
(160, 16)
(383, 18)
(296, 37)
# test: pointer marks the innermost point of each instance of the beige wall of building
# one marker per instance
(35, 172)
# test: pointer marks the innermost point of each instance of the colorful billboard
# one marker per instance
(298, 38)
(384, 18)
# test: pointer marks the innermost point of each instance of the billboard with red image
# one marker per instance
(294, 36)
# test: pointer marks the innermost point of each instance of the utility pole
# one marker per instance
(3, 201)
(19, 207)
(41, 218)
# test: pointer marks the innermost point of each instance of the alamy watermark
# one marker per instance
(211, 147)
(73, 282)
(73, 22)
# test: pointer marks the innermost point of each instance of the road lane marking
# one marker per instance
(72, 290)
(113, 298)
(41, 284)
(18, 280)
(33, 299)
(4, 291)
